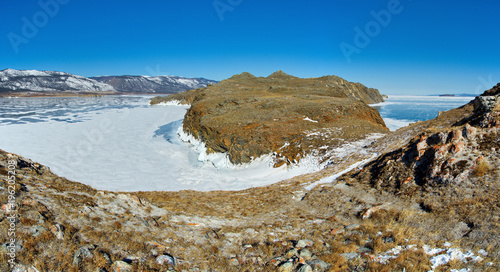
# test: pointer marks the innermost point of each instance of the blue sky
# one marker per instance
(425, 47)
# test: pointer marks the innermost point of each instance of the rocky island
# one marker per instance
(247, 117)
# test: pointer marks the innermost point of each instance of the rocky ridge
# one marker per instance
(49, 81)
(154, 84)
(44, 83)
(444, 156)
(247, 117)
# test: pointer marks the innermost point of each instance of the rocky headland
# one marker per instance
(247, 117)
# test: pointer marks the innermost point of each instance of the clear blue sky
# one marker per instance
(426, 47)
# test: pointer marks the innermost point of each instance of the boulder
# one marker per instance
(121, 266)
(304, 243)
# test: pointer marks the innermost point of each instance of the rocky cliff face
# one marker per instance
(445, 155)
(247, 117)
(48, 81)
(156, 84)
(450, 168)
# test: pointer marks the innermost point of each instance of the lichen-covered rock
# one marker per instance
(444, 155)
(121, 266)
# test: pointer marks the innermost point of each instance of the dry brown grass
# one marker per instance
(482, 168)
(338, 263)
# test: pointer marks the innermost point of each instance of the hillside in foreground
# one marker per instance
(428, 201)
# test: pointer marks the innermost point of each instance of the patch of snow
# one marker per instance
(453, 254)
(432, 251)
(310, 120)
(173, 103)
(482, 252)
(187, 81)
(395, 124)
(436, 261)
(20, 73)
(332, 178)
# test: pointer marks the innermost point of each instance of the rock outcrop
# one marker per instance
(444, 155)
(247, 116)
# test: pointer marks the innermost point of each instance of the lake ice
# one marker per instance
(121, 143)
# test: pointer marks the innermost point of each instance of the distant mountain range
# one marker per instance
(34, 81)
(156, 84)
(48, 81)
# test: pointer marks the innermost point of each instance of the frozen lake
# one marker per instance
(121, 143)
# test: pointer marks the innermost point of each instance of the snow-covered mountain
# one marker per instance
(154, 84)
(48, 81)
(12, 80)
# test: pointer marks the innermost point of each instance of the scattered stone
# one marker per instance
(304, 243)
(286, 267)
(212, 234)
(234, 262)
(305, 254)
(57, 230)
(121, 266)
(132, 259)
(350, 256)
(387, 240)
(165, 259)
(106, 257)
(318, 265)
(6, 249)
(469, 132)
(37, 230)
(157, 246)
(277, 261)
(291, 253)
(81, 254)
(370, 211)
(305, 268)
(85, 210)
(23, 268)
(364, 250)
(460, 230)
(7, 207)
(336, 231)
